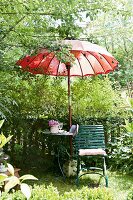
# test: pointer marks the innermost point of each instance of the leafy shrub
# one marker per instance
(130, 194)
(12, 196)
(51, 193)
(122, 154)
(41, 193)
(38, 193)
(95, 98)
(88, 194)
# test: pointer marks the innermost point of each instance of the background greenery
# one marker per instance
(27, 102)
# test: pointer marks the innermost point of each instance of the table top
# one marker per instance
(61, 133)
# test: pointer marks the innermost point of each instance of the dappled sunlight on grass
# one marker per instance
(124, 181)
(119, 184)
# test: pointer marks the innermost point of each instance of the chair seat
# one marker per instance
(89, 152)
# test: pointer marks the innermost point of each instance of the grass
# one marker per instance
(119, 185)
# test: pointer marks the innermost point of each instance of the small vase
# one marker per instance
(54, 129)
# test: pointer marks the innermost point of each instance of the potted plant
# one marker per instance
(54, 126)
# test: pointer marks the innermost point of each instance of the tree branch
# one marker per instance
(12, 27)
(26, 13)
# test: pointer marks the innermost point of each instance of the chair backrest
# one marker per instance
(74, 129)
(90, 137)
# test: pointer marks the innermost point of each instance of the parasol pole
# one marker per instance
(69, 107)
(69, 99)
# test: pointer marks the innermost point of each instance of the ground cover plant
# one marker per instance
(52, 187)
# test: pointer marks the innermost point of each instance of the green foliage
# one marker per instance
(121, 156)
(26, 25)
(65, 56)
(51, 193)
(86, 193)
(129, 126)
(41, 98)
(130, 194)
(3, 139)
(36, 96)
(6, 102)
(96, 98)
(113, 30)
(1, 122)
(11, 181)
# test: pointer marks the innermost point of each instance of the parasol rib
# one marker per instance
(80, 67)
(106, 60)
(58, 68)
(90, 63)
(98, 61)
(42, 61)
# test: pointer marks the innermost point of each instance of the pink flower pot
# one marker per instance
(54, 129)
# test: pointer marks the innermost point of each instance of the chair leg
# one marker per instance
(105, 172)
(78, 170)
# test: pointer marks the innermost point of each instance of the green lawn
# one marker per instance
(119, 185)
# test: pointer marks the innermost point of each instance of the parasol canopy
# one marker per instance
(89, 60)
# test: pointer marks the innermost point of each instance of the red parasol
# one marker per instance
(90, 59)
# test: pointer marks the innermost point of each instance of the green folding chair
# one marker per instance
(90, 142)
